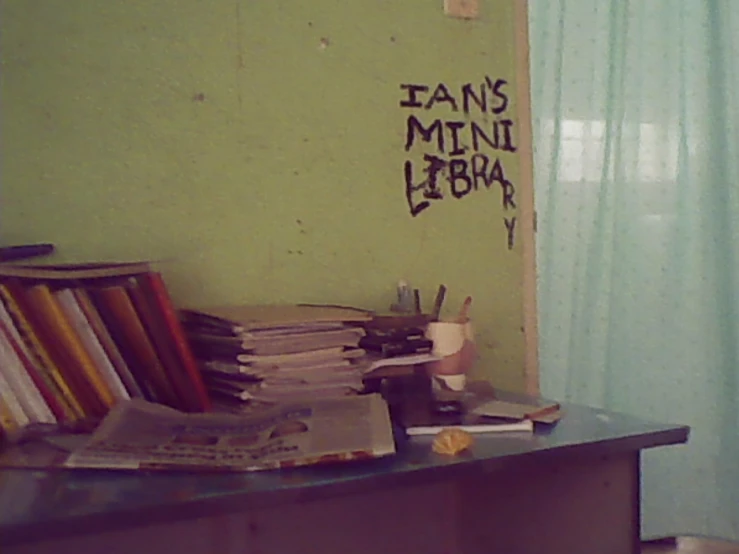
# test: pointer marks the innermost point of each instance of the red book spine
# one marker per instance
(155, 283)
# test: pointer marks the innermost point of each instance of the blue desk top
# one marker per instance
(64, 502)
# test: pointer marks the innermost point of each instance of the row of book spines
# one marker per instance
(49, 391)
(69, 345)
(160, 320)
(75, 387)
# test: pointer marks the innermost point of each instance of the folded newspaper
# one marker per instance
(140, 435)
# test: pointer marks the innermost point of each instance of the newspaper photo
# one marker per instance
(140, 435)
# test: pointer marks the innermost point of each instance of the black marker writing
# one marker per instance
(510, 225)
(453, 127)
(441, 94)
(461, 184)
(495, 135)
(450, 153)
(495, 89)
(480, 100)
(489, 96)
(414, 127)
(412, 100)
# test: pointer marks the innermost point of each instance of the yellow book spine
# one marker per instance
(70, 404)
(43, 299)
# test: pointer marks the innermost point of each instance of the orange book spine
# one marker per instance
(41, 356)
(154, 284)
(120, 312)
(107, 342)
(77, 364)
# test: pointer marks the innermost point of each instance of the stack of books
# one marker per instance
(77, 339)
(277, 353)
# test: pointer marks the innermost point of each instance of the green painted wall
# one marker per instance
(257, 148)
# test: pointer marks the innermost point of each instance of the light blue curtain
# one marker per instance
(636, 134)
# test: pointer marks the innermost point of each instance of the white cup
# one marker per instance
(454, 344)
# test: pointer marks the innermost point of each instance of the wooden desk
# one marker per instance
(570, 489)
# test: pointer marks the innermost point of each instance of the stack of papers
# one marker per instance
(140, 435)
(277, 353)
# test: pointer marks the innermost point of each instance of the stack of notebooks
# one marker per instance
(277, 353)
(77, 339)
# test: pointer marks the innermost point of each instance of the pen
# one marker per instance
(10, 253)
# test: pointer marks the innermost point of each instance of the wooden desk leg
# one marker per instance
(574, 506)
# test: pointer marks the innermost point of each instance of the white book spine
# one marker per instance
(19, 414)
(91, 343)
(16, 336)
(22, 385)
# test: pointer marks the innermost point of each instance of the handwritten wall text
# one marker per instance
(453, 141)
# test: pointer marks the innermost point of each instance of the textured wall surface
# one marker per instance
(259, 149)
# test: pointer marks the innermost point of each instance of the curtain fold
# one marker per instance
(636, 137)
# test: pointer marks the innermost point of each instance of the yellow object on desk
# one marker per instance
(452, 441)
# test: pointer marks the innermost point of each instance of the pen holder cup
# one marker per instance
(454, 344)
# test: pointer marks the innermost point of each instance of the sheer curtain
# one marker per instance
(636, 118)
